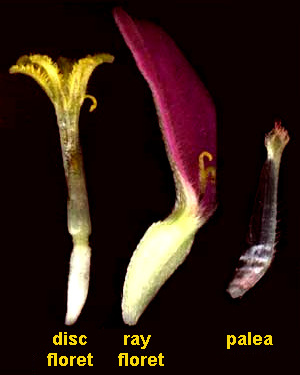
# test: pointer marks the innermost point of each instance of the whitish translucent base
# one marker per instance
(78, 283)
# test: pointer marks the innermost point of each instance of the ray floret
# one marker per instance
(187, 120)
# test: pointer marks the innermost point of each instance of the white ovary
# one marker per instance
(78, 283)
(163, 248)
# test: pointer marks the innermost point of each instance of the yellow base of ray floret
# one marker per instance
(165, 245)
(163, 248)
(161, 251)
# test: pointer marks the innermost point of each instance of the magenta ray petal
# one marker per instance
(184, 106)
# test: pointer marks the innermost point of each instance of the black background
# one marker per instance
(248, 57)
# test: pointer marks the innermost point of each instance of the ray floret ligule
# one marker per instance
(187, 120)
(256, 260)
(65, 83)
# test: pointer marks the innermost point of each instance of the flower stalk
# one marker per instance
(65, 84)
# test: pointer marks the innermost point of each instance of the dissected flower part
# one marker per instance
(188, 123)
(65, 84)
(255, 262)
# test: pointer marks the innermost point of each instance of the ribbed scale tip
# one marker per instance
(276, 141)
